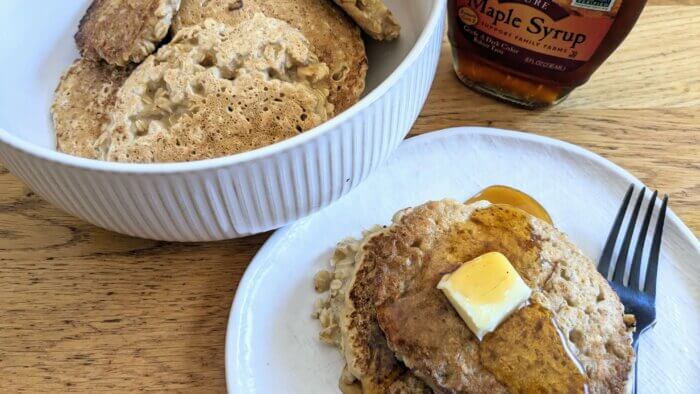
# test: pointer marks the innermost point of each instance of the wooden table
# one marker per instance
(88, 310)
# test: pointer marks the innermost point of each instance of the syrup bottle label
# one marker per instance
(535, 36)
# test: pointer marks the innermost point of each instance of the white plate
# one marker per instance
(271, 343)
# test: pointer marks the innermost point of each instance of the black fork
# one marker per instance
(638, 297)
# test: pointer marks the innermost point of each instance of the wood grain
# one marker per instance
(84, 309)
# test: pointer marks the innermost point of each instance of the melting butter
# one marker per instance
(484, 291)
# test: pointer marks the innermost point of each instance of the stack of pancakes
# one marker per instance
(399, 334)
(181, 80)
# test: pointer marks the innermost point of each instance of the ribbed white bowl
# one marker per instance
(213, 199)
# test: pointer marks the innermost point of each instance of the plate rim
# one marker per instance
(257, 263)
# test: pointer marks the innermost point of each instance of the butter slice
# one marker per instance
(485, 291)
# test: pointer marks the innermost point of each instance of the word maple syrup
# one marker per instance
(533, 53)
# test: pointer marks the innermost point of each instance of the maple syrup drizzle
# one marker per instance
(499, 194)
(528, 354)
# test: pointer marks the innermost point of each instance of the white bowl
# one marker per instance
(221, 198)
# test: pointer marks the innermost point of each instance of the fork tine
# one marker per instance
(621, 264)
(604, 263)
(639, 249)
(652, 267)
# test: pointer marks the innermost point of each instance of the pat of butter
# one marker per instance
(485, 291)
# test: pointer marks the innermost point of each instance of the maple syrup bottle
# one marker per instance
(533, 53)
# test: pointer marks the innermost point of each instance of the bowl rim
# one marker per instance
(56, 157)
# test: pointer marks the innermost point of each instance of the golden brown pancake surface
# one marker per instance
(124, 31)
(83, 103)
(348, 320)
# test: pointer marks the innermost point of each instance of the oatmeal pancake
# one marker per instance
(427, 334)
(82, 104)
(374, 17)
(348, 320)
(216, 90)
(334, 37)
(124, 31)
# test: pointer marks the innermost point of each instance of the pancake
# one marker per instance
(348, 321)
(373, 17)
(82, 104)
(216, 90)
(335, 38)
(430, 338)
(124, 31)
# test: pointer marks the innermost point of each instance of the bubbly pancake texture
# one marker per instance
(216, 90)
(334, 37)
(427, 334)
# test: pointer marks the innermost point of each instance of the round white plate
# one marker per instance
(272, 345)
